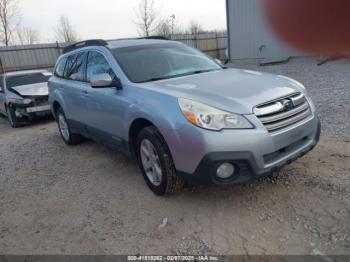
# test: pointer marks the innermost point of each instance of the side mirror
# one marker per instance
(105, 80)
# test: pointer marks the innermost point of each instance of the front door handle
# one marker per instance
(85, 93)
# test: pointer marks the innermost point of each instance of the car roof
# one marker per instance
(26, 72)
(114, 44)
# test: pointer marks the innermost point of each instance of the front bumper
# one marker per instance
(255, 153)
(31, 111)
(246, 166)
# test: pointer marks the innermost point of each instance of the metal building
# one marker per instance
(249, 35)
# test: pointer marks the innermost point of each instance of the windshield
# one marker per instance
(21, 80)
(156, 62)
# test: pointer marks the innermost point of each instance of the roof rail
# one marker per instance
(155, 37)
(93, 42)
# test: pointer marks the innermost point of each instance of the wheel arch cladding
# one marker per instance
(56, 105)
(136, 126)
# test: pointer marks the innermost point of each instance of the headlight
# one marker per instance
(211, 118)
(20, 101)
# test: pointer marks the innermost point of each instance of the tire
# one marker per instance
(11, 117)
(167, 181)
(68, 137)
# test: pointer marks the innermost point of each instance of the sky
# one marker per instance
(110, 19)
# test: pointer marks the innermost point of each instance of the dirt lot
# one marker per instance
(88, 199)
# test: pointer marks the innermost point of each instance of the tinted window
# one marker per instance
(97, 64)
(30, 79)
(152, 62)
(1, 83)
(60, 67)
(75, 67)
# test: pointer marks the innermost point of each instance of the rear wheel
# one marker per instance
(68, 137)
(156, 163)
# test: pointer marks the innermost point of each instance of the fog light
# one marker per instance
(225, 170)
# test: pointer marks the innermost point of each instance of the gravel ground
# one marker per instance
(87, 199)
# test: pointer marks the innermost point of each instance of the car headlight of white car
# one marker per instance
(17, 101)
(211, 118)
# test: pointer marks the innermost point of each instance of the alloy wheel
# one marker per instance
(150, 162)
(62, 123)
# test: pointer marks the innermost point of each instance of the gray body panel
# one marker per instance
(233, 90)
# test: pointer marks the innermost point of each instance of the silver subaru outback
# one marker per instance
(182, 115)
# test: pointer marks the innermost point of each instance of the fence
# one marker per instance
(213, 44)
(14, 58)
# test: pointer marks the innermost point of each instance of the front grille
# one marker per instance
(283, 112)
(41, 100)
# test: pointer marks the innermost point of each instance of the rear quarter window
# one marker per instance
(59, 71)
(1, 83)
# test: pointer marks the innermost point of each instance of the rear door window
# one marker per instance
(75, 67)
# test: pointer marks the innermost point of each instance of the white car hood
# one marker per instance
(39, 89)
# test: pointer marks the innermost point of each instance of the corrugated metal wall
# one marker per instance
(29, 56)
(249, 34)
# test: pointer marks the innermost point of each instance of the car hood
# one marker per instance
(39, 89)
(234, 90)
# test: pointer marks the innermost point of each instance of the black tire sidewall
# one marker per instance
(146, 133)
(11, 116)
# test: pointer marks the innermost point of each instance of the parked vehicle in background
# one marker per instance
(24, 96)
(180, 113)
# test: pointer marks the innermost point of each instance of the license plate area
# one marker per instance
(38, 109)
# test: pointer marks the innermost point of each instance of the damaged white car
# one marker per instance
(24, 96)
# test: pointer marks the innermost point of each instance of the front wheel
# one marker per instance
(156, 163)
(11, 116)
(68, 137)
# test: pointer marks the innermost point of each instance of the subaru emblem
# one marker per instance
(288, 105)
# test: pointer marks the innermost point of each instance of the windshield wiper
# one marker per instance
(202, 71)
(179, 75)
(156, 79)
